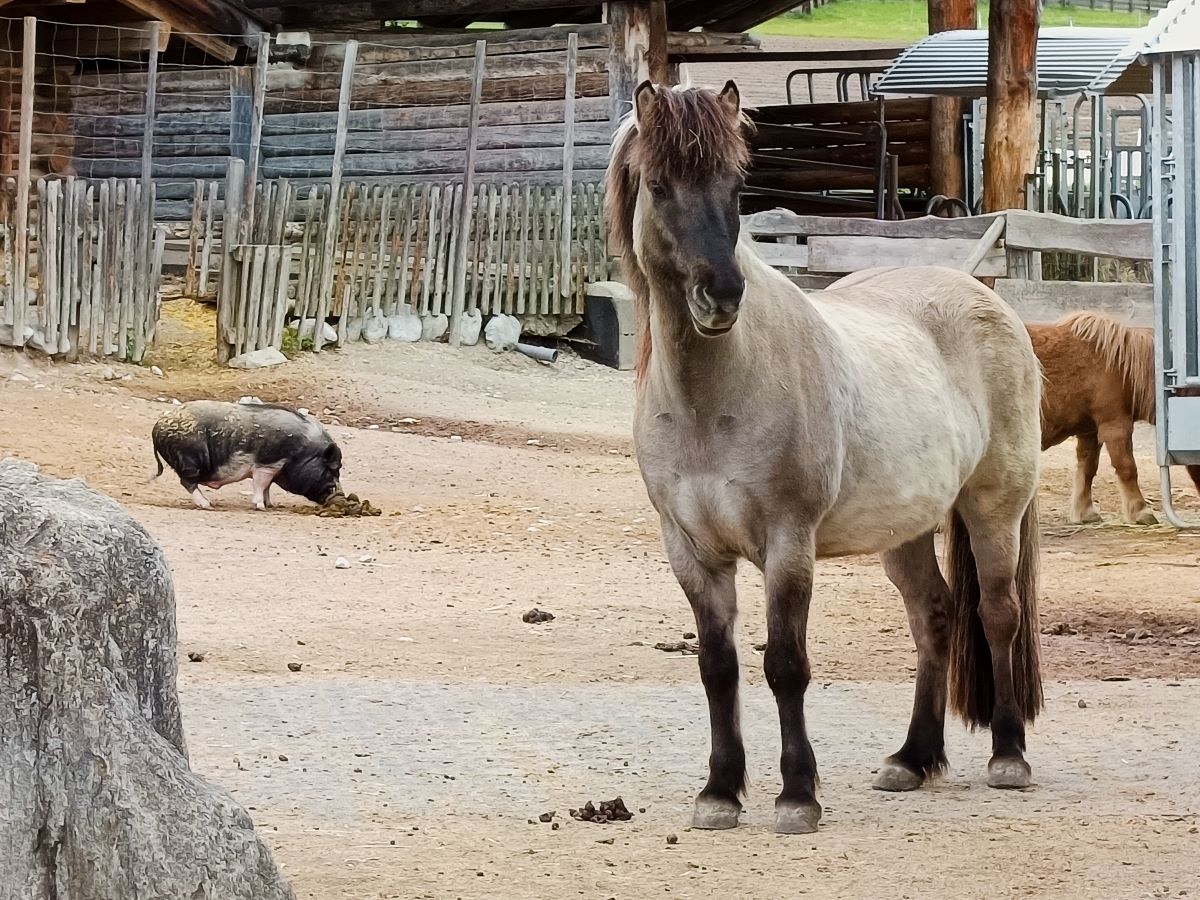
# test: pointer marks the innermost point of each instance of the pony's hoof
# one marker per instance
(1091, 517)
(1009, 774)
(895, 777)
(715, 815)
(1147, 518)
(799, 819)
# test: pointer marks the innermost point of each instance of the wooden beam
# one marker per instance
(300, 15)
(1049, 233)
(850, 254)
(946, 138)
(190, 29)
(1047, 301)
(1010, 141)
(656, 50)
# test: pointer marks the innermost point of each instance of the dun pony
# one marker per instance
(1099, 382)
(782, 426)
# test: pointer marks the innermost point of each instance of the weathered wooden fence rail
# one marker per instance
(816, 250)
(85, 278)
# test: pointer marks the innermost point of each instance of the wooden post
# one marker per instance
(1010, 142)
(458, 298)
(227, 292)
(638, 51)
(945, 118)
(568, 162)
(145, 230)
(25, 153)
(256, 121)
(327, 247)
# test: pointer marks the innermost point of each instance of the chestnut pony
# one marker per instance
(782, 426)
(1099, 382)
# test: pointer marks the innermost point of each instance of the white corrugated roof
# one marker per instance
(1176, 29)
(1069, 61)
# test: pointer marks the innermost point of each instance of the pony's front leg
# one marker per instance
(789, 572)
(710, 589)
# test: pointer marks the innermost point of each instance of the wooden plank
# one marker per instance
(335, 183)
(524, 288)
(255, 151)
(783, 255)
(984, 246)
(20, 247)
(373, 122)
(227, 291)
(424, 44)
(851, 253)
(569, 160)
(1047, 232)
(468, 192)
(209, 237)
(195, 31)
(448, 162)
(497, 137)
(782, 222)
(1047, 301)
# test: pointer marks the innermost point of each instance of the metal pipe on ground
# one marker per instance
(541, 354)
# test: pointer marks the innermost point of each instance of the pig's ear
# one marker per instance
(333, 454)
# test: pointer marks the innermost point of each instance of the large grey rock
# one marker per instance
(97, 800)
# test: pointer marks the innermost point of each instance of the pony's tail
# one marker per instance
(972, 688)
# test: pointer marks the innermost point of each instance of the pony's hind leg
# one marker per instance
(1118, 441)
(712, 593)
(1003, 544)
(789, 578)
(1087, 462)
(913, 569)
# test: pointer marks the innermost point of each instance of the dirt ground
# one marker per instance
(429, 723)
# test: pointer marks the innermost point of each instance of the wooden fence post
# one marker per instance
(256, 123)
(328, 244)
(458, 298)
(568, 163)
(227, 291)
(25, 153)
(143, 278)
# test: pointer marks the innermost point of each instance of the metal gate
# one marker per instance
(1175, 162)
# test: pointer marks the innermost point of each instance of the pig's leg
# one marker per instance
(197, 495)
(261, 479)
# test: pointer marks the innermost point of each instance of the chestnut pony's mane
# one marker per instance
(683, 135)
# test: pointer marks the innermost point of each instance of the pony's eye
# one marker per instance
(658, 190)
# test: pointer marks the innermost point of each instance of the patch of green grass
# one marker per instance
(904, 21)
(291, 345)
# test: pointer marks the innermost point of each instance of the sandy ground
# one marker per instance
(429, 723)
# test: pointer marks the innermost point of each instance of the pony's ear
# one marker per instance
(644, 99)
(731, 99)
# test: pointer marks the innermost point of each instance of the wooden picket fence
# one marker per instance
(392, 249)
(84, 276)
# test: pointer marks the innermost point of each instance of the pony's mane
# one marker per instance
(1126, 349)
(689, 136)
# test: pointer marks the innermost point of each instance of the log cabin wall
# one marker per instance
(407, 120)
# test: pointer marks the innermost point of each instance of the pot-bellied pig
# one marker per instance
(215, 444)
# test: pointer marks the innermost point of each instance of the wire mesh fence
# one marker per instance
(414, 173)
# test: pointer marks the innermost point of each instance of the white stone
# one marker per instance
(258, 359)
(155, 370)
(404, 327)
(341, 563)
(375, 329)
(433, 327)
(469, 327)
(502, 332)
